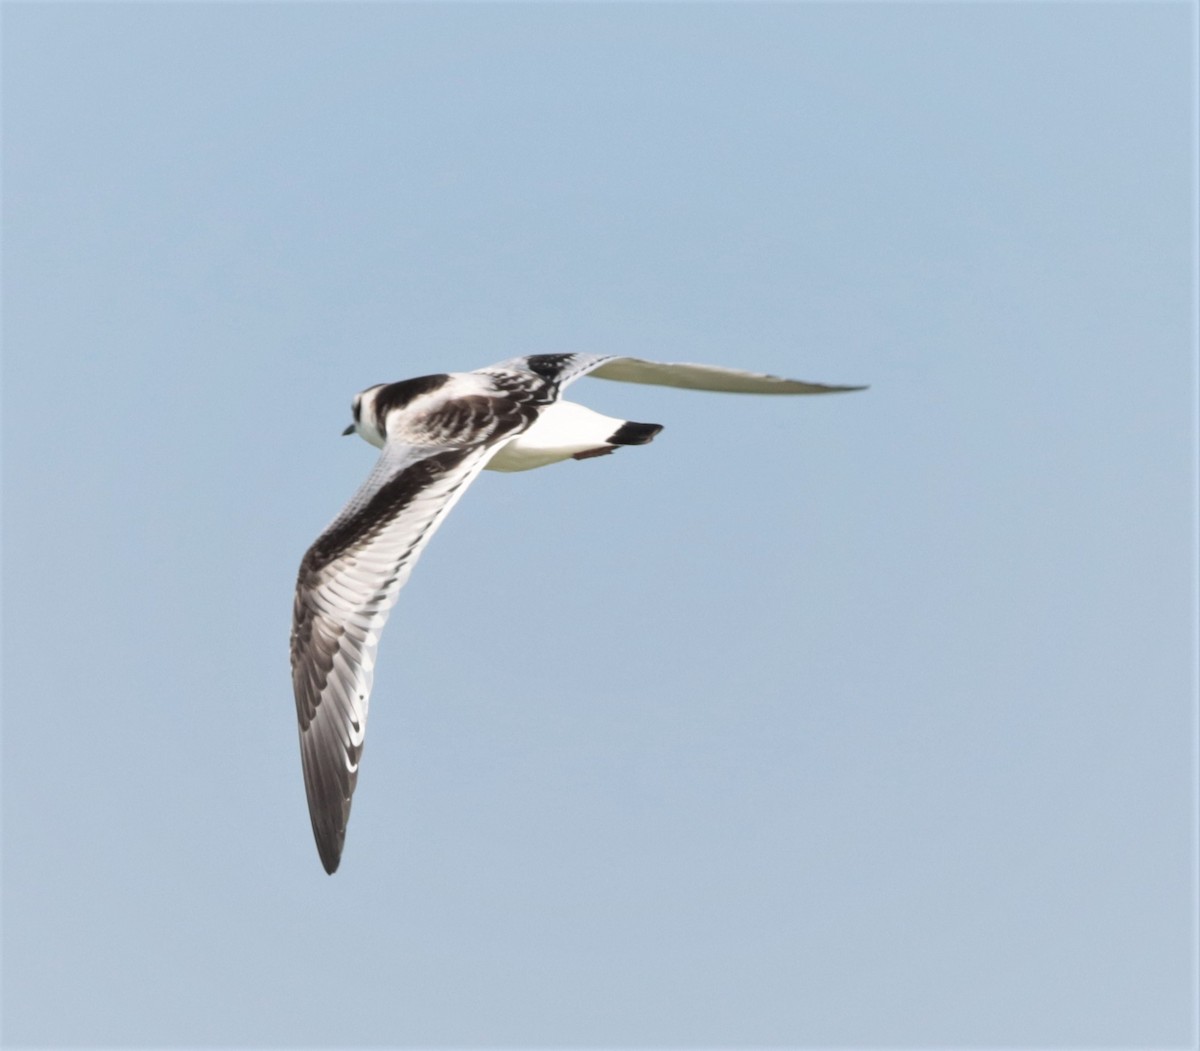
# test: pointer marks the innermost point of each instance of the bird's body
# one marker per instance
(436, 434)
(566, 430)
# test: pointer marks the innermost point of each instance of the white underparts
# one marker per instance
(563, 430)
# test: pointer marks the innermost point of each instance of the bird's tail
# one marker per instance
(630, 433)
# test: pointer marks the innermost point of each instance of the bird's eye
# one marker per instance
(357, 408)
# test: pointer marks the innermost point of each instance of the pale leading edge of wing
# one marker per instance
(348, 583)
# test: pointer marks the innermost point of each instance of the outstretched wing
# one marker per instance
(704, 377)
(562, 369)
(348, 583)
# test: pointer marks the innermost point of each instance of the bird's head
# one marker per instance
(366, 422)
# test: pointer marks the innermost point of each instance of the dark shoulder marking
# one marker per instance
(397, 395)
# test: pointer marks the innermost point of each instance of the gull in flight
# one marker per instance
(437, 433)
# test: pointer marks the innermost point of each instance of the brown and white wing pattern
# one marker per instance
(562, 369)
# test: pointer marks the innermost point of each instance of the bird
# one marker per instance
(436, 433)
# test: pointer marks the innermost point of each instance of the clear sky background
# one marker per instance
(852, 721)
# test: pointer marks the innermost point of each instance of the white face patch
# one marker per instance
(365, 421)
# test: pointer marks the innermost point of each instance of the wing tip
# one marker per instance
(330, 853)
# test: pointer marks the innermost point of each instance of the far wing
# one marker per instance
(348, 583)
(563, 369)
(704, 377)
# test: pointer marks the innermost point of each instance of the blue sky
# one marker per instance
(854, 721)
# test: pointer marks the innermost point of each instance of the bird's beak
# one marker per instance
(348, 430)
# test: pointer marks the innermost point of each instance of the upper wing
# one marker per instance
(566, 368)
(348, 583)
